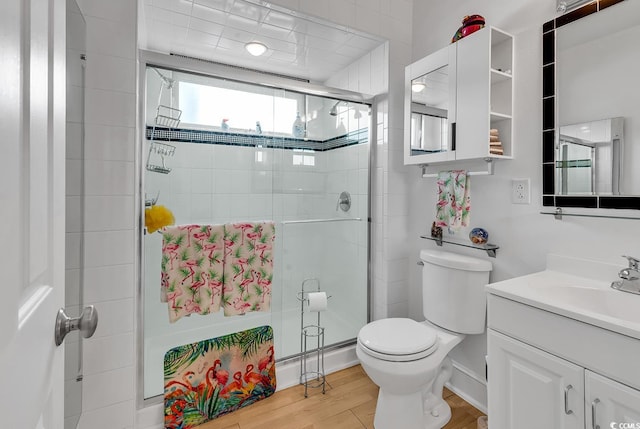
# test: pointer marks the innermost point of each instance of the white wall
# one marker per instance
(525, 237)
(109, 357)
(381, 73)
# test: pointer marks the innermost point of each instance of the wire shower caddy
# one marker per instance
(166, 116)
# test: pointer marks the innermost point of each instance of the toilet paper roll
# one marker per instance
(317, 301)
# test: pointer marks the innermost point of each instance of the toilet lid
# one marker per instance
(398, 339)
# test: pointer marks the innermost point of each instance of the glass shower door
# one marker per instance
(322, 189)
(247, 153)
(74, 273)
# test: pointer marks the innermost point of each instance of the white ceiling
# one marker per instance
(217, 30)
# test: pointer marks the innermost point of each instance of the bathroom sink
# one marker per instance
(577, 289)
(607, 302)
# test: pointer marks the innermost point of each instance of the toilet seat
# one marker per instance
(398, 340)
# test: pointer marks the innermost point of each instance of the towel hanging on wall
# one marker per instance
(454, 200)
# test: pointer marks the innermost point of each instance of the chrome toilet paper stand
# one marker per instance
(311, 375)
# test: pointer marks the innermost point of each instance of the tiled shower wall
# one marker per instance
(109, 356)
(109, 386)
(222, 183)
(381, 73)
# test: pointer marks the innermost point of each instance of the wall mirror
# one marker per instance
(430, 98)
(429, 112)
(591, 114)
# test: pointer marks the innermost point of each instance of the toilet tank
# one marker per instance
(453, 293)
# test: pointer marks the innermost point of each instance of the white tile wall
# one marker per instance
(109, 359)
(102, 354)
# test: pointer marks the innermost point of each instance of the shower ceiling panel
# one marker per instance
(217, 30)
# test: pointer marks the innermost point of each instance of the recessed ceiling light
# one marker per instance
(256, 48)
(417, 86)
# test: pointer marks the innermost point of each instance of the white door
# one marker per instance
(610, 403)
(532, 389)
(32, 142)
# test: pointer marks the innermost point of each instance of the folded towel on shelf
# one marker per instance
(191, 269)
(454, 199)
(494, 132)
(248, 267)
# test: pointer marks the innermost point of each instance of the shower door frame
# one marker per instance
(240, 74)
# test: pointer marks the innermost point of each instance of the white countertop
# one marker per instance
(578, 289)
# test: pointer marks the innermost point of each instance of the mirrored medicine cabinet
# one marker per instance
(459, 101)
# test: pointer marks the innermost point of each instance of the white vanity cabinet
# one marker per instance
(455, 96)
(610, 402)
(531, 388)
(550, 371)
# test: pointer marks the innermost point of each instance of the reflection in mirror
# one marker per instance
(588, 158)
(597, 59)
(429, 110)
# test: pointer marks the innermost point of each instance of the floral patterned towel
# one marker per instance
(210, 378)
(454, 200)
(191, 269)
(248, 267)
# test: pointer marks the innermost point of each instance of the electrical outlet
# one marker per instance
(520, 191)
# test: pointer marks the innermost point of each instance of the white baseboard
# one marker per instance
(469, 386)
(287, 375)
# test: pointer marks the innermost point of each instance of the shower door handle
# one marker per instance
(86, 323)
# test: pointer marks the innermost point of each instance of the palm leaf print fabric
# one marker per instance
(204, 267)
(248, 267)
(192, 269)
(210, 378)
(454, 199)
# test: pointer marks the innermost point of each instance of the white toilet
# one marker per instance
(408, 359)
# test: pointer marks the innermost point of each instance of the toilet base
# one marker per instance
(413, 411)
(437, 412)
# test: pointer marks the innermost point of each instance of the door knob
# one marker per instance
(86, 323)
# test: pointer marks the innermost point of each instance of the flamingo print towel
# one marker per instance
(191, 269)
(248, 267)
(454, 200)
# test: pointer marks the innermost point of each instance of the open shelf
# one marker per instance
(495, 116)
(498, 76)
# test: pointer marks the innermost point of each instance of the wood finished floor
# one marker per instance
(349, 403)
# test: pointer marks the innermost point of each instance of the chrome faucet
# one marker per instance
(630, 277)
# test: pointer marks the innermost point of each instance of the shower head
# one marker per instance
(334, 109)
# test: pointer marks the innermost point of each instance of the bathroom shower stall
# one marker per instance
(221, 150)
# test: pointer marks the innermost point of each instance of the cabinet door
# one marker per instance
(430, 108)
(473, 90)
(610, 403)
(532, 389)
